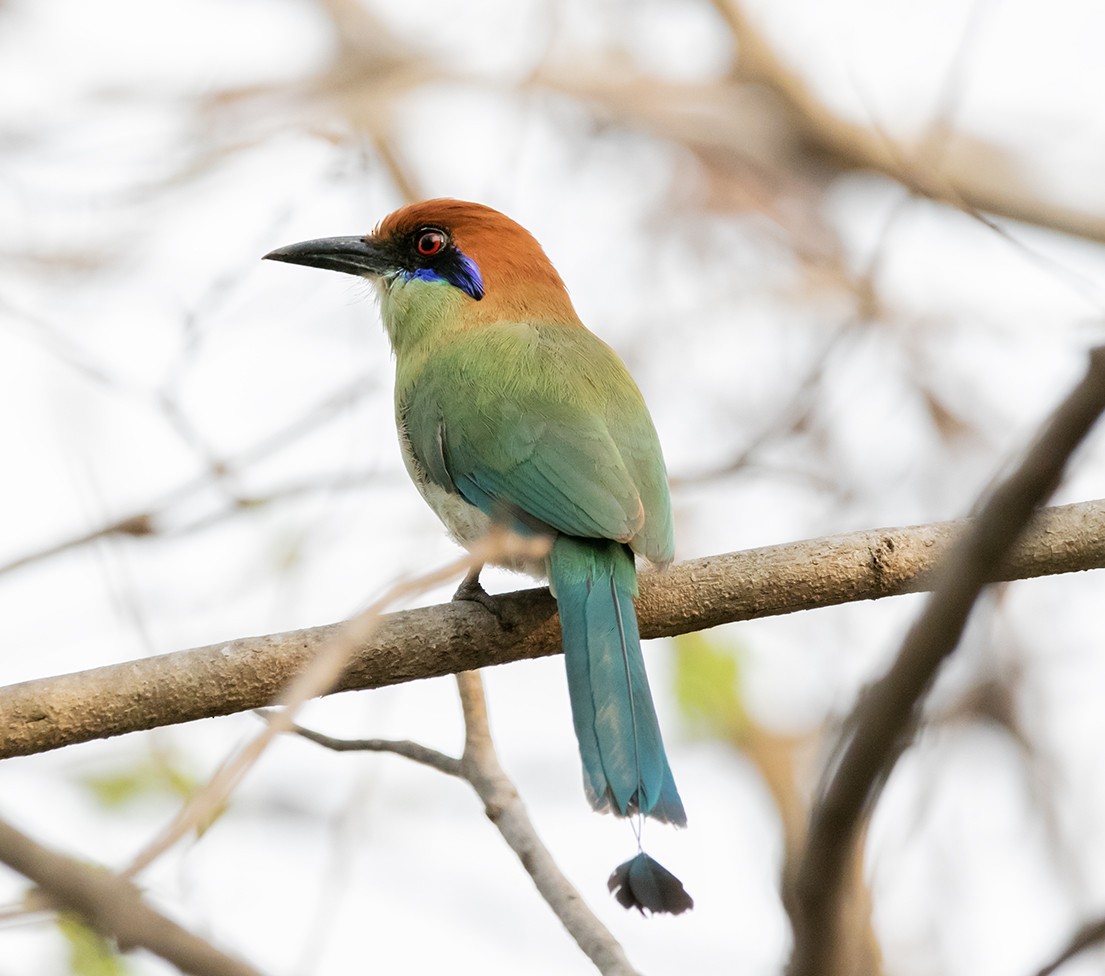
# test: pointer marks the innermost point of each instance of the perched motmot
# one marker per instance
(511, 412)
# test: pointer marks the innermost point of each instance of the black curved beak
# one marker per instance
(352, 255)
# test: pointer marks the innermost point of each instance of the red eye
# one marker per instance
(430, 242)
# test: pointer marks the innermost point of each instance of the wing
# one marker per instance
(543, 423)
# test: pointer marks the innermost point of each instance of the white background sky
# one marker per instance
(140, 336)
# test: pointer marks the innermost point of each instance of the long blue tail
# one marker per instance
(625, 768)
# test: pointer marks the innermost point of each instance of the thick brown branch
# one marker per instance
(247, 673)
(881, 725)
(113, 907)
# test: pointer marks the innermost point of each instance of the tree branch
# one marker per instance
(479, 767)
(246, 673)
(113, 907)
(150, 520)
(968, 173)
(882, 723)
(504, 808)
(316, 678)
(1090, 936)
(414, 751)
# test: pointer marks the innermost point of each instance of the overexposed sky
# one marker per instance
(142, 339)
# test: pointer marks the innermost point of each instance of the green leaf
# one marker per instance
(90, 954)
(159, 775)
(708, 686)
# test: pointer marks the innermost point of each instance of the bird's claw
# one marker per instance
(472, 591)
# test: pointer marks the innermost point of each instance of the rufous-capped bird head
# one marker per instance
(458, 249)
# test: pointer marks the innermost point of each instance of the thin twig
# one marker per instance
(113, 907)
(795, 413)
(479, 767)
(414, 751)
(504, 808)
(318, 676)
(148, 520)
(879, 729)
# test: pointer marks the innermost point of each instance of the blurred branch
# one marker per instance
(136, 525)
(880, 727)
(775, 758)
(360, 91)
(113, 907)
(246, 673)
(965, 173)
(796, 412)
(318, 676)
(149, 520)
(765, 135)
(479, 767)
(1090, 936)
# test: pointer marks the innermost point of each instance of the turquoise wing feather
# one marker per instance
(543, 429)
(566, 444)
(625, 765)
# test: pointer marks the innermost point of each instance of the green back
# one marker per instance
(542, 419)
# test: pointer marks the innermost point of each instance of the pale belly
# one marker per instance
(465, 522)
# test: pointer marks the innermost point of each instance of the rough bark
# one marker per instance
(249, 672)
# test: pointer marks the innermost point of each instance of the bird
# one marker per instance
(511, 413)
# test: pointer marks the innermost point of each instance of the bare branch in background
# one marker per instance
(479, 767)
(113, 907)
(414, 751)
(764, 136)
(776, 758)
(358, 94)
(149, 521)
(1091, 936)
(319, 675)
(882, 723)
(247, 673)
(966, 173)
(798, 408)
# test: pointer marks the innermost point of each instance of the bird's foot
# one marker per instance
(471, 590)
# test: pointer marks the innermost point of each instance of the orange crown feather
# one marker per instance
(518, 276)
